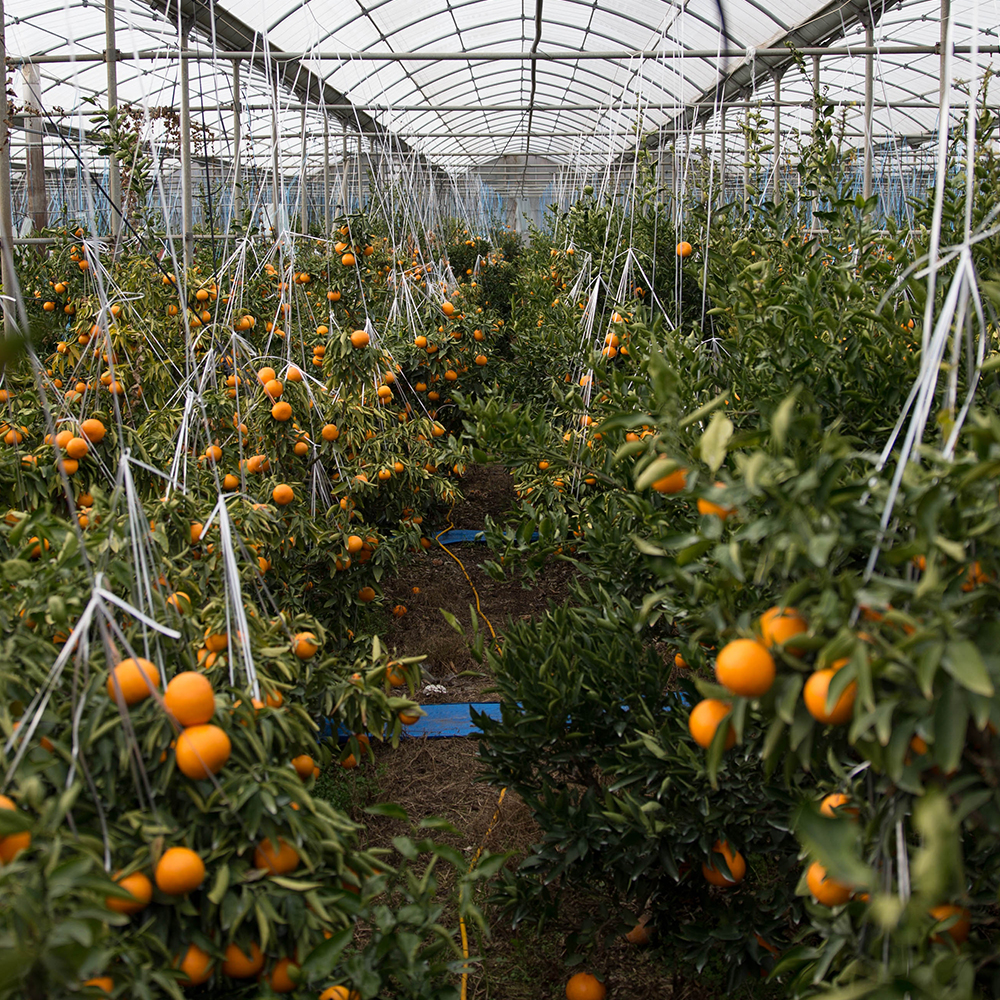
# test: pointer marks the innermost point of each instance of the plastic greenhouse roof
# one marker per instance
(462, 110)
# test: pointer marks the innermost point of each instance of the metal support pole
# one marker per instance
(114, 172)
(746, 163)
(187, 204)
(776, 183)
(866, 183)
(303, 176)
(7, 274)
(343, 167)
(943, 71)
(361, 178)
(237, 143)
(722, 155)
(815, 90)
(275, 177)
(38, 207)
(326, 176)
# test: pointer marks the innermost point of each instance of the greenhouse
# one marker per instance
(500, 500)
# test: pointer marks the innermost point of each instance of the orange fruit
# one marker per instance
(265, 375)
(136, 678)
(778, 625)
(704, 720)
(339, 993)
(215, 642)
(278, 861)
(189, 698)
(179, 870)
(366, 595)
(282, 411)
(815, 691)
(448, 308)
(105, 983)
(684, 249)
(408, 718)
(354, 544)
(838, 804)
(93, 430)
(720, 510)
(394, 675)
(274, 388)
(641, 934)
(304, 765)
(330, 432)
(282, 494)
(196, 966)
(584, 986)
(347, 260)
(672, 483)
(77, 447)
(180, 602)
(745, 667)
(279, 979)
(737, 866)
(13, 843)
(959, 930)
(202, 750)
(238, 964)
(142, 891)
(826, 890)
(304, 645)
(359, 338)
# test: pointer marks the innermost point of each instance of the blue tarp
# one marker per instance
(453, 719)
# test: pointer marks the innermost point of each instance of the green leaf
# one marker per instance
(656, 469)
(964, 662)
(390, 809)
(703, 411)
(782, 419)
(15, 570)
(220, 885)
(715, 440)
(323, 959)
(834, 843)
(951, 716)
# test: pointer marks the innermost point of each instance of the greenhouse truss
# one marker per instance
(496, 108)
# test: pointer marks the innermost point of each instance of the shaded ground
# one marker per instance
(438, 778)
(441, 583)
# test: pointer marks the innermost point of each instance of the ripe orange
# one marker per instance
(282, 494)
(838, 804)
(279, 978)
(354, 544)
(448, 308)
(704, 720)
(959, 931)
(408, 718)
(672, 483)
(304, 765)
(180, 602)
(278, 861)
(359, 338)
(684, 249)
(827, 891)
(282, 411)
(179, 870)
(93, 430)
(196, 966)
(135, 677)
(105, 983)
(347, 260)
(330, 432)
(239, 964)
(304, 645)
(720, 510)
(339, 993)
(13, 843)
(366, 595)
(584, 986)
(77, 447)
(141, 888)
(265, 375)
(815, 693)
(189, 698)
(202, 750)
(745, 667)
(274, 388)
(215, 642)
(737, 866)
(641, 934)
(778, 625)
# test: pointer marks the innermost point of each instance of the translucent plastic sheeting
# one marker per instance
(580, 109)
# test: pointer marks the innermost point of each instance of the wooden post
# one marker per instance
(38, 207)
